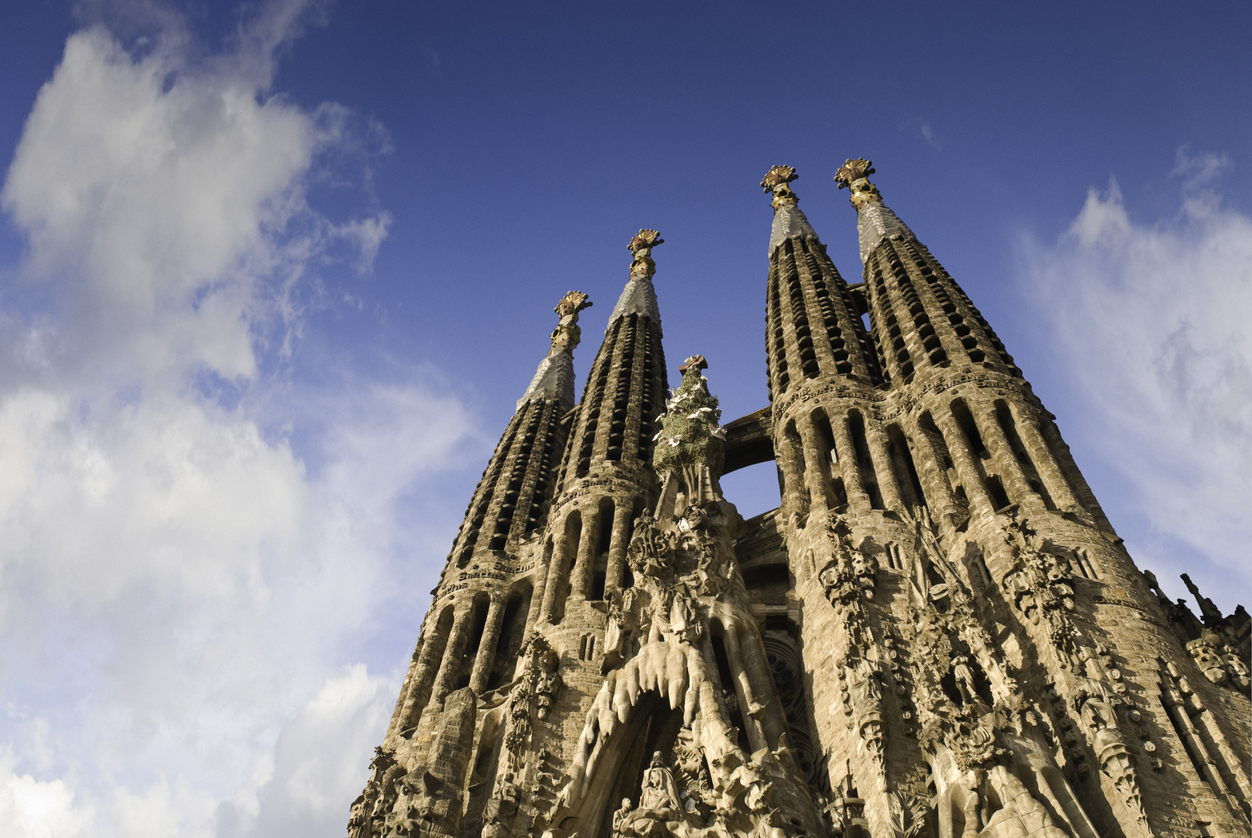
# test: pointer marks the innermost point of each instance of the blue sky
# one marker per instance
(273, 276)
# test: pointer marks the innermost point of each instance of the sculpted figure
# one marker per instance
(660, 792)
(621, 817)
(964, 679)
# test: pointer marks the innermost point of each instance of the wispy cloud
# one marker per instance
(1152, 320)
(180, 580)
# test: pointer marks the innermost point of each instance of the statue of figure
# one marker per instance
(863, 686)
(1093, 700)
(621, 816)
(964, 680)
(660, 792)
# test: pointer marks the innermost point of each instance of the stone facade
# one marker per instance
(938, 634)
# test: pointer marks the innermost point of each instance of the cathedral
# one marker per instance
(938, 633)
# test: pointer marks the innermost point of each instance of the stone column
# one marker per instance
(963, 459)
(931, 472)
(888, 485)
(542, 569)
(1069, 468)
(622, 525)
(1017, 486)
(814, 472)
(414, 701)
(858, 498)
(556, 572)
(743, 689)
(584, 564)
(450, 666)
(487, 645)
(774, 721)
(1045, 463)
(792, 470)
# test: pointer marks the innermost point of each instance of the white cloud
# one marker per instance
(30, 808)
(1153, 320)
(182, 585)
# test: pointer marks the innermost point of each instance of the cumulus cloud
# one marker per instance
(183, 583)
(1152, 318)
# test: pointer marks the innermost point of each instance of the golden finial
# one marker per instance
(641, 245)
(854, 175)
(567, 334)
(775, 181)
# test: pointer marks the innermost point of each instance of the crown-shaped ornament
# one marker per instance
(854, 175)
(641, 245)
(567, 334)
(775, 181)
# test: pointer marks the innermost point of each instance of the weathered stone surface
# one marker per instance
(937, 635)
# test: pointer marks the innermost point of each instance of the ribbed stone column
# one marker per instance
(743, 688)
(487, 645)
(931, 472)
(410, 712)
(585, 561)
(1057, 445)
(450, 666)
(858, 498)
(561, 550)
(888, 485)
(622, 525)
(963, 459)
(1045, 463)
(1018, 487)
(814, 472)
(773, 721)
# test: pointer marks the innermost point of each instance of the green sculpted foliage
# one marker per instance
(690, 434)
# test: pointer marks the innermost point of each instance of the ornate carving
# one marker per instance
(854, 175)
(1040, 585)
(1217, 661)
(861, 686)
(371, 810)
(567, 334)
(690, 438)
(851, 573)
(775, 181)
(642, 266)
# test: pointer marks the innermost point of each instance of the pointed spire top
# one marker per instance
(638, 297)
(555, 377)
(775, 181)
(789, 221)
(854, 174)
(875, 221)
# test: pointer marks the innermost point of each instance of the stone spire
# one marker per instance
(789, 220)
(639, 297)
(626, 387)
(555, 376)
(874, 220)
(924, 318)
(813, 324)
